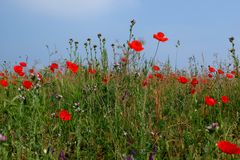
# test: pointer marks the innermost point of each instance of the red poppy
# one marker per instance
(211, 69)
(2, 74)
(229, 75)
(194, 81)
(27, 84)
(210, 101)
(203, 80)
(225, 99)
(92, 71)
(21, 74)
(65, 115)
(72, 66)
(233, 72)
(220, 71)
(150, 76)
(4, 83)
(145, 82)
(210, 75)
(53, 66)
(227, 147)
(159, 76)
(68, 64)
(18, 69)
(155, 68)
(23, 64)
(136, 45)
(182, 79)
(31, 71)
(160, 37)
(123, 59)
(193, 91)
(105, 80)
(14, 82)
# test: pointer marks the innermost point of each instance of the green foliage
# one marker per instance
(115, 119)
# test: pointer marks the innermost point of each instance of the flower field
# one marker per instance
(127, 108)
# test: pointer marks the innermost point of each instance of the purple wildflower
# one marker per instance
(153, 153)
(151, 156)
(3, 138)
(62, 156)
(133, 152)
(128, 158)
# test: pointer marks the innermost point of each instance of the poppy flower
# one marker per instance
(65, 115)
(3, 83)
(210, 75)
(14, 82)
(211, 69)
(194, 81)
(105, 80)
(159, 76)
(21, 74)
(225, 99)
(155, 68)
(203, 80)
(53, 66)
(228, 147)
(229, 75)
(92, 71)
(72, 66)
(23, 64)
(18, 69)
(68, 64)
(233, 72)
(27, 84)
(145, 82)
(150, 76)
(136, 45)
(123, 59)
(210, 101)
(220, 71)
(31, 71)
(193, 91)
(160, 37)
(182, 79)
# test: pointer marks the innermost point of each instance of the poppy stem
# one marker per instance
(155, 53)
(176, 60)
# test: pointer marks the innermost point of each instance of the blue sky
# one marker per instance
(203, 27)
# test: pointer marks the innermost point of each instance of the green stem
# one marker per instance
(155, 53)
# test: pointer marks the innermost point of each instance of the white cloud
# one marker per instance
(75, 8)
